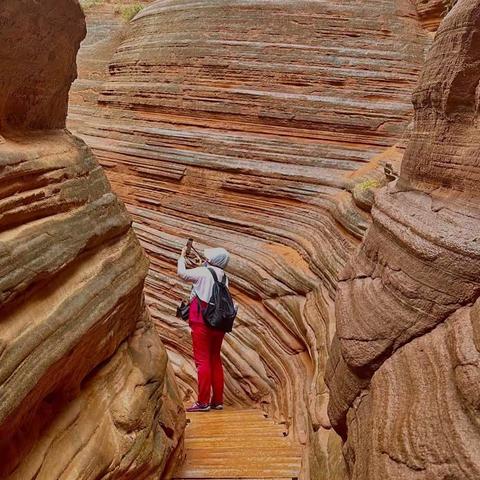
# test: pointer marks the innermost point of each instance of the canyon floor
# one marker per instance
(238, 444)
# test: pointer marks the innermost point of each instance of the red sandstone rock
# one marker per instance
(85, 388)
(36, 74)
(406, 355)
(431, 12)
(262, 126)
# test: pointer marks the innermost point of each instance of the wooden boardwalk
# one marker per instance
(238, 444)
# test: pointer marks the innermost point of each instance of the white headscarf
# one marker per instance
(217, 257)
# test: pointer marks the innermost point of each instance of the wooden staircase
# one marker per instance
(238, 444)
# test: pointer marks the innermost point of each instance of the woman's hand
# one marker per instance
(184, 252)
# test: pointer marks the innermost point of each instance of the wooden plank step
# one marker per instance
(229, 433)
(233, 450)
(222, 460)
(240, 445)
(237, 444)
(233, 412)
(189, 471)
(234, 421)
(231, 426)
(245, 474)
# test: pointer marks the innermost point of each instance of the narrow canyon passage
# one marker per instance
(260, 127)
(332, 147)
(238, 444)
(282, 131)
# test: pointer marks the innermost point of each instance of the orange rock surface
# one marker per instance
(85, 386)
(263, 127)
(405, 362)
(431, 12)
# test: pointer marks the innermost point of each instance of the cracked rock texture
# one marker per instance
(86, 390)
(264, 127)
(405, 362)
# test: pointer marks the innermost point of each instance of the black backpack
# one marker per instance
(220, 312)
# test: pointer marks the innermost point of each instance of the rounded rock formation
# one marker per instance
(85, 387)
(406, 354)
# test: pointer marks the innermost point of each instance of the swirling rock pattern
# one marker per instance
(85, 387)
(264, 127)
(405, 358)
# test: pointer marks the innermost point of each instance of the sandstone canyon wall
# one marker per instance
(431, 12)
(262, 126)
(405, 364)
(85, 387)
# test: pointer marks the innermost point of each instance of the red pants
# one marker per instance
(207, 344)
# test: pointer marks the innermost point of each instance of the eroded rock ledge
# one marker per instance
(431, 12)
(85, 387)
(405, 365)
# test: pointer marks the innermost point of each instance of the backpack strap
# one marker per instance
(214, 275)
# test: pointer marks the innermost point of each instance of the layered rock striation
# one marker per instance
(85, 387)
(431, 12)
(263, 127)
(405, 361)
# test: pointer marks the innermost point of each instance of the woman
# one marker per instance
(207, 342)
